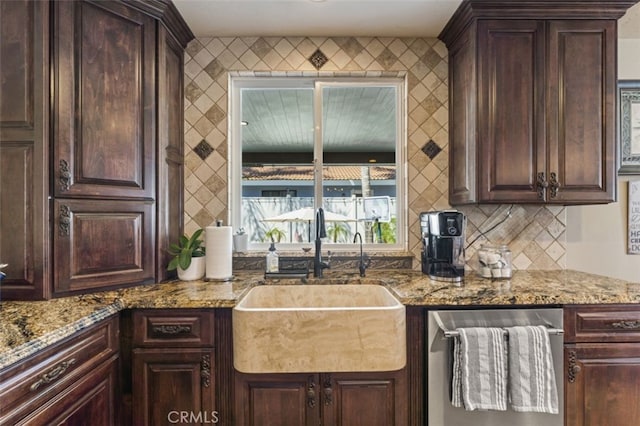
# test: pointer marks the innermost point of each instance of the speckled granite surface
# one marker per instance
(26, 327)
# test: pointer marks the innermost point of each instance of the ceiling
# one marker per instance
(382, 18)
(336, 18)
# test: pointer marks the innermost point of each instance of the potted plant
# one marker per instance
(188, 257)
(275, 235)
(240, 241)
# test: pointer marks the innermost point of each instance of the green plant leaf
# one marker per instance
(173, 264)
(185, 249)
(193, 241)
(184, 259)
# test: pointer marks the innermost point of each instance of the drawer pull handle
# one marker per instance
(626, 325)
(53, 374)
(172, 329)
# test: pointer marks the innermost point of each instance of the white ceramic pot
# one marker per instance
(195, 271)
(240, 243)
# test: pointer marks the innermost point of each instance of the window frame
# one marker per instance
(234, 170)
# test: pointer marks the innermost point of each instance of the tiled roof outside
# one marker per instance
(305, 173)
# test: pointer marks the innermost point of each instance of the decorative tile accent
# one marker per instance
(203, 149)
(318, 59)
(535, 234)
(431, 149)
(215, 114)
(214, 69)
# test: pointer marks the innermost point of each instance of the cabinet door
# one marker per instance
(24, 112)
(581, 111)
(365, 399)
(511, 109)
(462, 120)
(103, 112)
(170, 382)
(169, 200)
(601, 385)
(101, 243)
(92, 400)
(277, 399)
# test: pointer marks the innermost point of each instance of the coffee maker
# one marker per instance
(443, 241)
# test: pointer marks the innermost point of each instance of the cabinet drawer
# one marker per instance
(28, 385)
(162, 328)
(615, 323)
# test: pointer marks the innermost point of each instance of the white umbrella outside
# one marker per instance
(308, 214)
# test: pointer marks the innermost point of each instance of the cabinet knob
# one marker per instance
(64, 177)
(205, 370)
(311, 393)
(554, 185)
(64, 223)
(541, 185)
(573, 368)
(328, 390)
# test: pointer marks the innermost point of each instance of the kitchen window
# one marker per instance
(297, 144)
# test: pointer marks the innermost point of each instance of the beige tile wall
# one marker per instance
(536, 235)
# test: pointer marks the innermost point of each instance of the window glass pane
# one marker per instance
(359, 130)
(277, 163)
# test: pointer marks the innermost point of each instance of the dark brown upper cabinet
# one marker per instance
(90, 144)
(532, 101)
(104, 81)
(24, 149)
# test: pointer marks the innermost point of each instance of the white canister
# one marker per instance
(494, 261)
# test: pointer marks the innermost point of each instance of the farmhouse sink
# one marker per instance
(319, 328)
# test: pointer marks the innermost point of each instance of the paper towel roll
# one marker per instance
(219, 246)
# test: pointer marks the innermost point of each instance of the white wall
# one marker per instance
(597, 235)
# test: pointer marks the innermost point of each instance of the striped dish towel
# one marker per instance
(531, 375)
(479, 371)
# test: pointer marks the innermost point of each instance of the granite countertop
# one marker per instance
(27, 327)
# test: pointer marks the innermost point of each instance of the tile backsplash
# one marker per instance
(535, 234)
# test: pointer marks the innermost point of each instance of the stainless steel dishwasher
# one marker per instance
(439, 351)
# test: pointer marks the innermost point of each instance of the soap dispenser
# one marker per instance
(272, 258)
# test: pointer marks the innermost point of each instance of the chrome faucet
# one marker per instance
(321, 232)
(362, 266)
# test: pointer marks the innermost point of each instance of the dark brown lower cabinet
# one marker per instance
(90, 401)
(603, 384)
(171, 385)
(173, 369)
(602, 365)
(285, 399)
(73, 382)
(336, 399)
